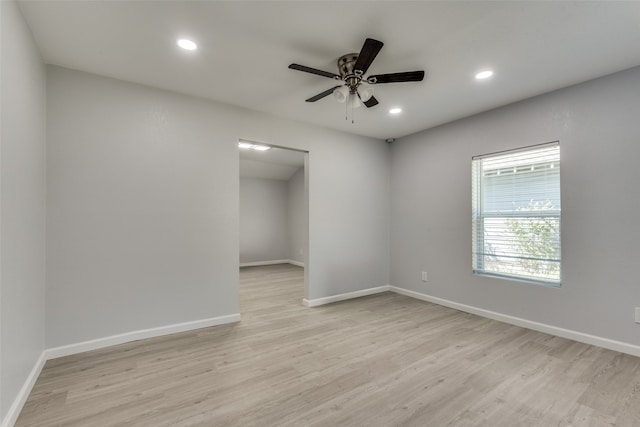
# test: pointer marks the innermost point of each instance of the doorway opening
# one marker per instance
(273, 218)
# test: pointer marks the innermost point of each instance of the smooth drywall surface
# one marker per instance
(143, 209)
(297, 215)
(597, 126)
(143, 206)
(22, 241)
(264, 226)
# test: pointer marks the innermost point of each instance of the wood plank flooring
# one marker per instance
(382, 360)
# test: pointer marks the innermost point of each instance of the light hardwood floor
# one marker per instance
(382, 360)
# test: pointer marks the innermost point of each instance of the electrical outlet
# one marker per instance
(637, 314)
(424, 276)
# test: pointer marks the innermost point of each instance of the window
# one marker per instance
(516, 214)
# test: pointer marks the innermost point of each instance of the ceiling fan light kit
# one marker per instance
(341, 94)
(356, 88)
(365, 92)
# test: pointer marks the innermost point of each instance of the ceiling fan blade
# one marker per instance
(314, 71)
(367, 54)
(409, 76)
(322, 95)
(371, 102)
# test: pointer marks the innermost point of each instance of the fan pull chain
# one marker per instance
(346, 109)
(351, 111)
(348, 102)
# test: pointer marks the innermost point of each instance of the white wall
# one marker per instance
(297, 217)
(22, 202)
(598, 128)
(143, 206)
(264, 222)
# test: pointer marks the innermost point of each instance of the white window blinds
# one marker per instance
(516, 214)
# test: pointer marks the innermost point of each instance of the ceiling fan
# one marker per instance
(352, 68)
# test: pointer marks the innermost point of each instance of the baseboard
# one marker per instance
(607, 343)
(277, 261)
(66, 350)
(23, 394)
(342, 297)
(259, 263)
(53, 353)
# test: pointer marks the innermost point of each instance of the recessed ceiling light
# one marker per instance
(484, 75)
(251, 146)
(395, 111)
(187, 44)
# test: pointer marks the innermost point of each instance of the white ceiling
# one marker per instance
(246, 46)
(276, 163)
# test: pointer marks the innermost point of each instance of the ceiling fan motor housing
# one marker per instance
(348, 74)
(346, 63)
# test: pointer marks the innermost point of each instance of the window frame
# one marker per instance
(479, 218)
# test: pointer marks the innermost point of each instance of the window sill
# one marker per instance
(553, 285)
